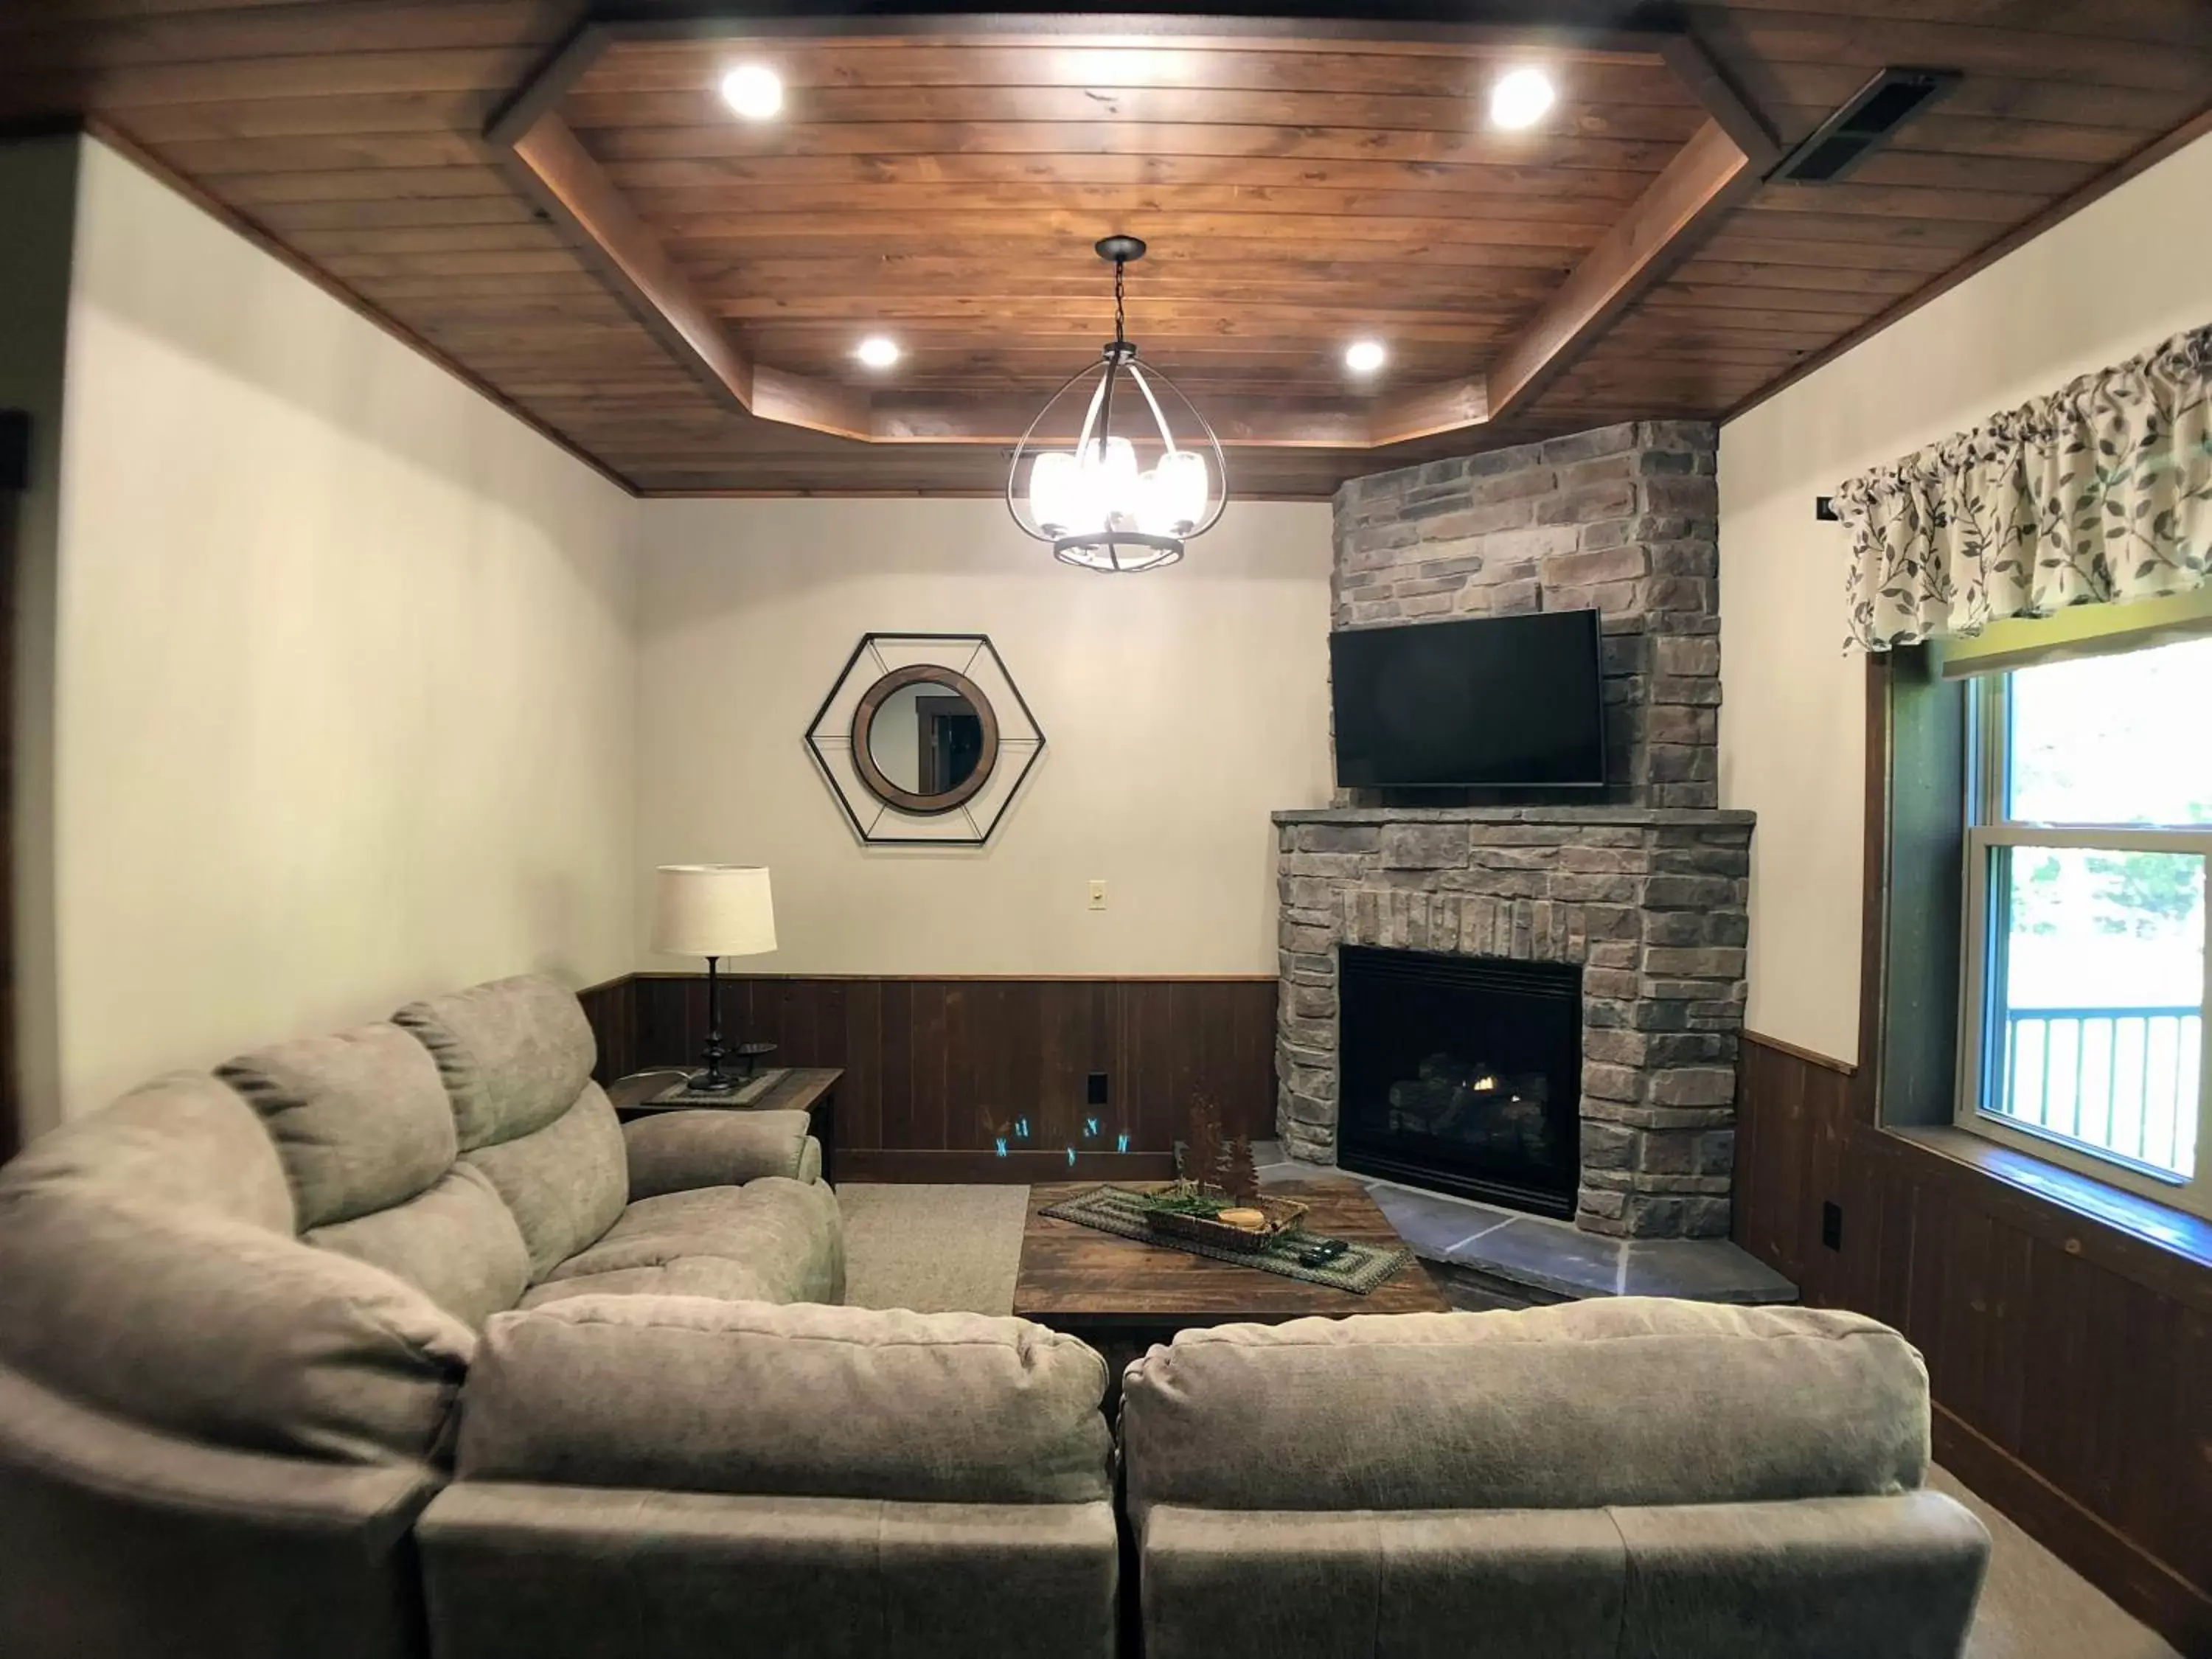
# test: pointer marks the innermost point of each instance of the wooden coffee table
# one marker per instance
(1121, 1296)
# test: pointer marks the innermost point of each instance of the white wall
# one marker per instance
(1181, 707)
(2120, 276)
(345, 669)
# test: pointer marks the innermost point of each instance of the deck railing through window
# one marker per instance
(2123, 1080)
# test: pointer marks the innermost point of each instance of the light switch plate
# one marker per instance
(1098, 896)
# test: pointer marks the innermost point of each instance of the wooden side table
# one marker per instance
(809, 1089)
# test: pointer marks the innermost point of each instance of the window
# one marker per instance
(2089, 829)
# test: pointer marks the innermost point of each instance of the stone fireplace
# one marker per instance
(1647, 902)
(1585, 961)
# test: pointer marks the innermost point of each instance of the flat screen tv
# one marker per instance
(1493, 702)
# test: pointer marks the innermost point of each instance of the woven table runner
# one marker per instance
(743, 1095)
(1117, 1210)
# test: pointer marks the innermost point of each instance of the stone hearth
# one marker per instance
(1648, 902)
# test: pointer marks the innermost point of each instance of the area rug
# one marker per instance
(932, 1249)
(1117, 1210)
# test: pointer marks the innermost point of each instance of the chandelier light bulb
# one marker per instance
(753, 91)
(877, 352)
(1521, 98)
(1365, 356)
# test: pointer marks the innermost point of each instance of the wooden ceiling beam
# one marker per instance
(1682, 207)
(562, 176)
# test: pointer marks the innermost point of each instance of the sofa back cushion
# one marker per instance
(1623, 1400)
(514, 1054)
(359, 1119)
(515, 1057)
(185, 1139)
(219, 1328)
(456, 1242)
(804, 1399)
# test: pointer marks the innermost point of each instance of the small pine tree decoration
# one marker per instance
(1202, 1144)
(1239, 1178)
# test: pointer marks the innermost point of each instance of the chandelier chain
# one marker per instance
(1120, 338)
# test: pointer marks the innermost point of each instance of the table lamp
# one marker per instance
(712, 910)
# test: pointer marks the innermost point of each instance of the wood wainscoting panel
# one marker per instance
(2067, 1358)
(937, 1069)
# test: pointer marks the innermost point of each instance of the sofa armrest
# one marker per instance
(121, 1539)
(676, 1151)
(806, 1399)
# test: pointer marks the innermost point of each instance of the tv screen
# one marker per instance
(1491, 702)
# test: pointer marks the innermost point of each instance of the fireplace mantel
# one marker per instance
(1648, 902)
(1679, 818)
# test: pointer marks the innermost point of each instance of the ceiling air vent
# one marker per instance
(1847, 137)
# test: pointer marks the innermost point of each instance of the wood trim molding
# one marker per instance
(1026, 1168)
(1719, 163)
(2143, 161)
(1811, 1057)
(2107, 1556)
(968, 979)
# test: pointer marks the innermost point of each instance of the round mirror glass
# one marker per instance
(925, 738)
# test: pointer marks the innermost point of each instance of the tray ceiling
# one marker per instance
(941, 182)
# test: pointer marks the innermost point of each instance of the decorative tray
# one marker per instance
(1182, 1210)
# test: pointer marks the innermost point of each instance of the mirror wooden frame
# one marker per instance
(864, 720)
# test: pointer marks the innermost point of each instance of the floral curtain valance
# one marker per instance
(2100, 493)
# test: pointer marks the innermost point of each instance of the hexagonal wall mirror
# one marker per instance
(925, 739)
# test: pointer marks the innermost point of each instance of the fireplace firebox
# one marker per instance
(1462, 1074)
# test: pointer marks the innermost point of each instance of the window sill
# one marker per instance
(2176, 1231)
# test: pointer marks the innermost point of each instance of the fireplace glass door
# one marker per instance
(1462, 1074)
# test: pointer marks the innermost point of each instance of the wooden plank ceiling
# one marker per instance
(946, 189)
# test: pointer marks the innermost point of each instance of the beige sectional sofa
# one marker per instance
(1671, 1480)
(245, 1318)
(395, 1343)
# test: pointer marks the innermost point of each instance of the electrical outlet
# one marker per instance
(1094, 1092)
(1098, 896)
(1832, 1225)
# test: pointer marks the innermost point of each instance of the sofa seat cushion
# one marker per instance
(685, 1393)
(786, 1236)
(1623, 1400)
(716, 1277)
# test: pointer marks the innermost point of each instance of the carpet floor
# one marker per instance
(944, 1249)
(934, 1249)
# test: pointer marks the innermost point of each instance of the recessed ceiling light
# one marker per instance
(1519, 99)
(1365, 357)
(754, 91)
(877, 352)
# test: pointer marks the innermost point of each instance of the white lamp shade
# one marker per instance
(712, 910)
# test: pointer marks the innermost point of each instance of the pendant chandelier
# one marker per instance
(1093, 503)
